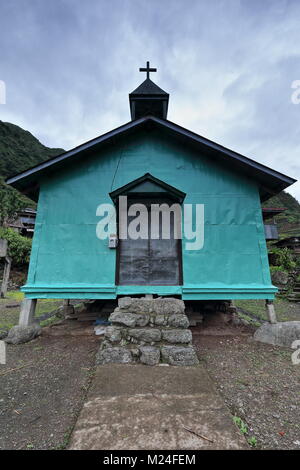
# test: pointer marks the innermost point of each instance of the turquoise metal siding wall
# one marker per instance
(68, 260)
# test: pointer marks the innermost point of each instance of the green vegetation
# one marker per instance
(16, 295)
(19, 247)
(11, 201)
(240, 424)
(19, 150)
(252, 441)
(10, 316)
(283, 259)
(285, 311)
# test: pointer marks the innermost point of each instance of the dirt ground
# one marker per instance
(42, 389)
(45, 382)
(258, 383)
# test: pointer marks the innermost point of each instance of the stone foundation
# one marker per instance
(148, 331)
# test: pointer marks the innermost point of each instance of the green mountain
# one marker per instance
(289, 220)
(19, 150)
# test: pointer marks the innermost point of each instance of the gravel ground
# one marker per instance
(259, 384)
(40, 400)
(44, 384)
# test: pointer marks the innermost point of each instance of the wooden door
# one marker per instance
(152, 262)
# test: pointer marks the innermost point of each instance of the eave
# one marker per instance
(270, 181)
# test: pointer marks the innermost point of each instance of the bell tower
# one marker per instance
(148, 98)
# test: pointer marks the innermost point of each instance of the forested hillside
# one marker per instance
(18, 150)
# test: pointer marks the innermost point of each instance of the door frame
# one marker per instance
(148, 186)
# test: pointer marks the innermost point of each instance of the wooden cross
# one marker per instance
(148, 70)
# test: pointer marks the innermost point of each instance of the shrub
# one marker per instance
(19, 247)
(284, 259)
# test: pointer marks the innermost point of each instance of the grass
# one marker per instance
(10, 316)
(285, 311)
(16, 295)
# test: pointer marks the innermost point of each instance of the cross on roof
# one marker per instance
(147, 69)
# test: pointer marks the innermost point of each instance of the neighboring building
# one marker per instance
(151, 161)
(24, 222)
(269, 213)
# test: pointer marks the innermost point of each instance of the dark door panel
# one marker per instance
(149, 262)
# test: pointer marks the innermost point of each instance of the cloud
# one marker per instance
(228, 65)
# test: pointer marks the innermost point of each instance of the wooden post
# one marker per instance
(27, 312)
(5, 279)
(271, 311)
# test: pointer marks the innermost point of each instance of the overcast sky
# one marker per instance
(228, 65)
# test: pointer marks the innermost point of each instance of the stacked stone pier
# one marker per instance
(148, 331)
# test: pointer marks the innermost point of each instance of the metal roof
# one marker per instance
(270, 181)
(148, 88)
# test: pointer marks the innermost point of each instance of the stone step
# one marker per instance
(293, 299)
(149, 331)
(294, 294)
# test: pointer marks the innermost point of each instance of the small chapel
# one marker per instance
(215, 248)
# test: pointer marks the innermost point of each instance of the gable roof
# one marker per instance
(148, 185)
(270, 181)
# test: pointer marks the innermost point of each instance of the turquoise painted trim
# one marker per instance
(158, 290)
(69, 295)
(231, 293)
(232, 289)
(186, 292)
(228, 296)
(69, 292)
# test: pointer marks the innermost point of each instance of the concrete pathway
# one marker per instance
(133, 407)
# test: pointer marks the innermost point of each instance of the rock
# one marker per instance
(113, 333)
(142, 326)
(280, 277)
(179, 355)
(150, 355)
(124, 302)
(177, 336)
(278, 334)
(3, 332)
(21, 334)
(178, 320)
(129, 319)
(168, 306)
(135, 352)
(137, 305)
(115, 354)
(165, 306)
(160, 320)
(145, 334)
